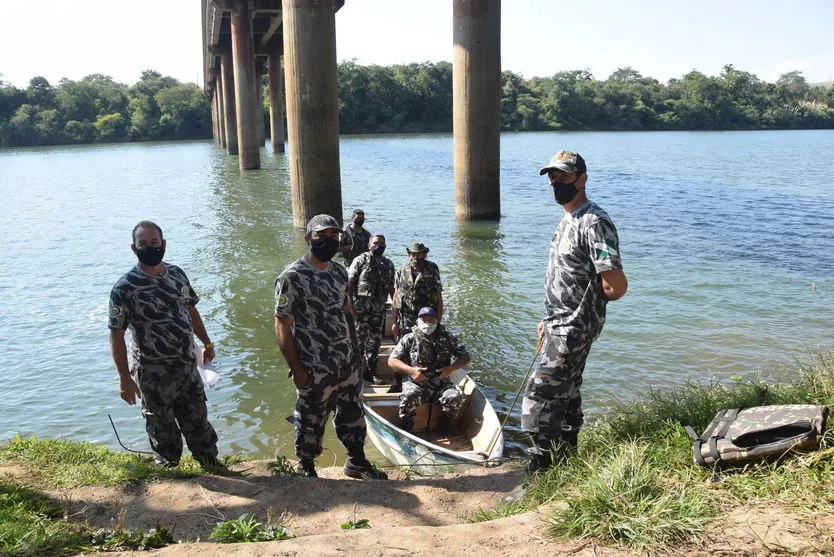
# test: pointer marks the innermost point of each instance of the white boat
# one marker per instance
(433, 445)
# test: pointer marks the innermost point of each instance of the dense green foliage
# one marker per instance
(418, 98)
(97, 109)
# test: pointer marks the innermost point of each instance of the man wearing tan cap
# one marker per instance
(584, 273)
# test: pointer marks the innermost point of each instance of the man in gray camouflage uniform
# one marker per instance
(370, 282)
(425, 355)
(355, 238)
(156, 303)
(315, 331)
(583, 274)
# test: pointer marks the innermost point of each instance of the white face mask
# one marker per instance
(426, 328)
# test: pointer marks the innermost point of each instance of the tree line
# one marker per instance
(418, 98)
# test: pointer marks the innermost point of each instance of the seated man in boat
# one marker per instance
(425, 355)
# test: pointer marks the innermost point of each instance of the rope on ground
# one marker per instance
(120, 441)
(517, 394)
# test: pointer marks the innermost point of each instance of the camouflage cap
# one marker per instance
(358, 212)
(427, 311)
(416, 247)
(566, 161)
(322, 222)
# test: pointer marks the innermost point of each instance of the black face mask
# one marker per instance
(150, 255)
(324, 248)
(377, 251)
(358, 222)
(564, 193)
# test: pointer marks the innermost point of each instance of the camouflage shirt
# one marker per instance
(358, 241)
(374, 277)
(417, 288)
(585, 244)
(315, 300)
(418, 350)
(154, 308)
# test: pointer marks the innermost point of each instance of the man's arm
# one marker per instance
(395, 313)
(614, 284)
(283, 334)
(128, 389)
(399, 366)
(200, 330)
(445, 372)
(440, 305)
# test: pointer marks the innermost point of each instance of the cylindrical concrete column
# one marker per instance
(221, 118)
(276, 102)
(215, 133)
(229, 104)
(476, 93)
(312, 108)
(260, 64)
(243, 60)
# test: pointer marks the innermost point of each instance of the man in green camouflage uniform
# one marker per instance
(425, 355)
(583, 274)
(355, 238)
(371, 281)
(156, 303)
(315, 331)
(417, 285)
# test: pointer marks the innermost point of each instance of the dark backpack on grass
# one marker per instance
(740, 435)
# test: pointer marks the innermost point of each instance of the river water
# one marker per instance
(724, 238)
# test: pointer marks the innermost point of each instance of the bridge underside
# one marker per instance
(244, 40)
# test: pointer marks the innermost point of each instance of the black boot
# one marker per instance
(358, 467)
(306, 467)
(397, 385)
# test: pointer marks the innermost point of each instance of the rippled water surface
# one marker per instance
(722, 237)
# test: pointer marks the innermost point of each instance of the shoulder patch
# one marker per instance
(281, 301)
(115, 311)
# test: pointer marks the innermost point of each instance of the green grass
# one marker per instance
(633, 482)
(247, 529)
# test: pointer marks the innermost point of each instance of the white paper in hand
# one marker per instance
(207, 374)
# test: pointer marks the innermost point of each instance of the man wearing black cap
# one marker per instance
(355, 238)
(315, 330)
(584, 273)
(425, 355)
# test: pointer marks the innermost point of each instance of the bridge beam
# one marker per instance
(309, 29)
(476, 94)
(276, 101)
(243, 56)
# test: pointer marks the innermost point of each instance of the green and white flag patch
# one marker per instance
(604, 250)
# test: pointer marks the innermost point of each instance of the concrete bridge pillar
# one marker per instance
(221, 112)
(309, 28)
(260, 69)
(276, 101)
(476, 93)
(229, 104)
(243, 57)
(214, 118)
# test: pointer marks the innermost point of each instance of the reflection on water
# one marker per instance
(719, 241)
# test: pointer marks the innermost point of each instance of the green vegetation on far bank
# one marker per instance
(633, 482)
(418, 98)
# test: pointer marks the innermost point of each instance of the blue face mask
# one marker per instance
(564, 193)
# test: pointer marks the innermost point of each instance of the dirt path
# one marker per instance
(422, 516)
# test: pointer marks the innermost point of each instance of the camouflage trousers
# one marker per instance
(174, 406)
(369, 334)
(325, 392)
(428, 392)
(552, 404)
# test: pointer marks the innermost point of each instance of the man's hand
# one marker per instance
(540, 329)
(299, 378)
(395, 329)
(208, 353)
(129, 390)
(418, 373)
(445, 372)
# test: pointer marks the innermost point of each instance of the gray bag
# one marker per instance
(740, 435)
